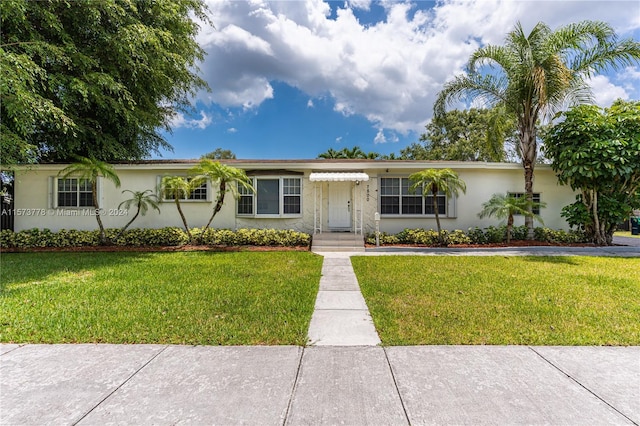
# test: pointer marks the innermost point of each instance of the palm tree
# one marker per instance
(228, 178)
(330, 153)
(433, 181)
(506, 206)
(90, 169)
(537, 75)
(142, 200)
(355, 152)
(177, 188)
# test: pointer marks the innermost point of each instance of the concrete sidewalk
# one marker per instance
(162, 385)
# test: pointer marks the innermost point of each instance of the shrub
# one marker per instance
(495, 234)
(519, 232)
(420, 237)
(559, 236)
(384, 238)
(458, 237)
(476, 235)
(256, 237)
(137, 237)
(7, 238)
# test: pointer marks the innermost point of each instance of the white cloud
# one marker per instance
(310, 103)
(605, 92)
(232, 130)
(630, 73)
(179, 120)
(389, 72)
(380, 138)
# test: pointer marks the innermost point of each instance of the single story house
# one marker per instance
(312, 196)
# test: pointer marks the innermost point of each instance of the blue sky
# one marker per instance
(291, 79)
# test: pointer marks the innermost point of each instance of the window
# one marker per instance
(74, 192)
(397, 198)
(536, 199)
(198, 194)
(273, 197)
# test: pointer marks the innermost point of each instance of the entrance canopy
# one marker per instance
(339, 177)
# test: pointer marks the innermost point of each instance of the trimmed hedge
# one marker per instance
(170, 236)
(490, 235)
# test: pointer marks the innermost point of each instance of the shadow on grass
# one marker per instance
(38, 267)
(560, 260)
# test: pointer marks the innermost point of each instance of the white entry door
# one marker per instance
(340, 205)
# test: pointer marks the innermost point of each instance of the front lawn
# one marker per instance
(204, 298)
(425, 300)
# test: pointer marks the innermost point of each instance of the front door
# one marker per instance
(340, 205)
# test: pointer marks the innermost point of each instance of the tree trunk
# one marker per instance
(94, 193)
(128, 223)
(435, 210)
(184, 219)
(509, 228)
(599, 237)
(528, 146)
(218, 206)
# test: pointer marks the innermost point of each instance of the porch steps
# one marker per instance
(337, 241)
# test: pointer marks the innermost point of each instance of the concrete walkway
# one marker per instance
(341, 316)
(289, 385)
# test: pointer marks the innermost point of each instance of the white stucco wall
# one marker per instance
(32, 196)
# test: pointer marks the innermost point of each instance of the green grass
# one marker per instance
(625, 234)
(200, 298)
(497, 300)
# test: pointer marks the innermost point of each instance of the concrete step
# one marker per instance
(315, 248)
(337, 241)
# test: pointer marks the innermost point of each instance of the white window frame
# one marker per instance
(537, 197)
(449, 202)
(163, 199)
(245, 193)
(53, 193)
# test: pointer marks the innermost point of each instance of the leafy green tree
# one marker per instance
(597, 152)
(226, 177)
(506, 206)
(433, 181)
(142, 200)
(219, 154)
(537, 74)
(468, 135)
(99, 79)
(91, 169)
(180, 188)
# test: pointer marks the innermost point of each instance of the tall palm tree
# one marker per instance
(506, 206)
(330, 153)
(228, 178)
(433, 181)
(355, 152)
(177, 188)
(537, 75)
(142, 200)
(91, 169)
